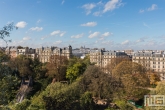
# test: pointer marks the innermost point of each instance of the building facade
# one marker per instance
(15, 51)
(154, 61)
(101, 57)
(12, 51)
(44, 54)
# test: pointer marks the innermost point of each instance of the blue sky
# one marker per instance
(110, 24)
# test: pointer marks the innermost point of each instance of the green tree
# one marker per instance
(86, 101)
(22, 64)
(8, 83)
(100, 84)
(75, 71)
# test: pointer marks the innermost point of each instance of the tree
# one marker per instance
(8, 83)
(128, 67)
(133, 78)
(5, 31)
(154, 78)
(114, 62)
(75, 71)
(97, 82)
(57, 67)
(38, 69)
(22, 65)
(86, 101)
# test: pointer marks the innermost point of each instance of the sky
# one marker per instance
(109, 24)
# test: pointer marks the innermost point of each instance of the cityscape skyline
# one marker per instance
(110, 24)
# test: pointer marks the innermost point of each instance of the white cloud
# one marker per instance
(126, 42)
(97, 13)
(111, 5)
(21, 24)
(26, 38)
(57, 42)
(36, 28)
(77, 36)
(57, 32)
(106, 34)
(95, 34)
(90, 24)
(88, 7)
(153, 7)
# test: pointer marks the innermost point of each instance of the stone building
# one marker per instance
(152, 60)
(28, 52)
(101, 57)
(45, 53)
(15, 51)
(12, 51)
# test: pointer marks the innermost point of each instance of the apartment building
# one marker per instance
(12, 51)
(152, 60)
(101, 57)
(15, 51)
(45, 53)
(28, 52)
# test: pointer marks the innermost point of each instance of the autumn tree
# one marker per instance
(114, 62)
(128, 67)
(134, 79)
(57, 67)
(154, 78)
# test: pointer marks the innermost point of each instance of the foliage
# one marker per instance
(57, 96)
(76, 67)
(154, 78)
(22, 64)
(114, 62)
(133, 78)
(86, 101)
(57, 67)
(8, 88)
(5, 31)
(23, 105)
(3, 57)
(38, 69)
(75, 71)
(123, 105)
(98, 83)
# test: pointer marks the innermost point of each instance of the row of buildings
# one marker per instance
(152, 60)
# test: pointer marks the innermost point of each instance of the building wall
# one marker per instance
(101, 57)
(153, 61)
(45, 53)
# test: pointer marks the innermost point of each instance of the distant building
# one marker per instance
(101, 57)
(152, 60)
(81, 52)
(45, 53)
(11, 51)
(15, 51)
